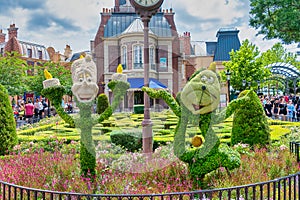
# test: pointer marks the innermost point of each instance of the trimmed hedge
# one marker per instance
(102, 103)
(250, 125)
(138, 109)
(8, 133)
(130, 140)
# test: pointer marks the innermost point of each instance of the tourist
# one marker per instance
(282, 108)
(275, 109)
(29, 110)
(290, 110)
(268, 107)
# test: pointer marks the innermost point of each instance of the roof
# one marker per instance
(119, 22)
(136, 26)
(35, 48)
(227, 41)
(285, 69)
(139, 83)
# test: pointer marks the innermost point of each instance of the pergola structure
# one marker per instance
(284, 73)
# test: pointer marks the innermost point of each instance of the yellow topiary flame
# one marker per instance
(120, 69)
(47, 74)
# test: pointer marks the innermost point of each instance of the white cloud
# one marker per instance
(200, 17)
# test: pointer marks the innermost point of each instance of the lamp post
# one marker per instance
(249, 84)
(228, 84)
(258, 86)
(244, 84)
(146, 9)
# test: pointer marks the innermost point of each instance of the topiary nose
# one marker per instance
(203, 87)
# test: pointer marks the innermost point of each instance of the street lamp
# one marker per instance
(244, 84)
(228, 84)
(249, 84)
(146, 9)
(258, 86)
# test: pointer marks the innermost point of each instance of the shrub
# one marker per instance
(130, 140)
(102, 103)
(250, 125)
(138, 109)
(8, 133)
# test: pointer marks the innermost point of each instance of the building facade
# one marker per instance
(120, 40)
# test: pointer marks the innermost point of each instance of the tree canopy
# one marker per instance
(276, 19)
(13, 73)
(35, 82)
(245, 65)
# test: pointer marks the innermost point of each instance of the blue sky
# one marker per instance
(75, 22)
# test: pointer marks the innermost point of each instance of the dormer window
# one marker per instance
(29, 53)
(40, 54)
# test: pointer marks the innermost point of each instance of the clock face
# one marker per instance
(146, 3)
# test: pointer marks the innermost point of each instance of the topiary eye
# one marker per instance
(203, 79)
(211, 80)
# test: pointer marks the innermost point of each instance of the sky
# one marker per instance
(57, 23)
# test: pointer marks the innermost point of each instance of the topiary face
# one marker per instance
(202, 93)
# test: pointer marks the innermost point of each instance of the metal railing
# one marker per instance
(287, 187)
(295, 148)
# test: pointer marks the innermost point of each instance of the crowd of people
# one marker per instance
(30, 110)
(282, 107)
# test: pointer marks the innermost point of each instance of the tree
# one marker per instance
(244, 65)
(13, 73)
(276, 19)
(35, 82)
(8, 133)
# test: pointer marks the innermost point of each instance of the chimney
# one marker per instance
(117, 5)
(2, 37)
(187, 43)
(12, 31)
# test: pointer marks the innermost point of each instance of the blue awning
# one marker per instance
(139, 83)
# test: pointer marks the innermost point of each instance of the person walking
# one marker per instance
(29, 110)
(290, 110)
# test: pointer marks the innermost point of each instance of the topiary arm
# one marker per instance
(231, 108)
(119, 89)
(55, 95)
(166, 96)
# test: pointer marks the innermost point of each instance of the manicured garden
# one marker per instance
(47, 157)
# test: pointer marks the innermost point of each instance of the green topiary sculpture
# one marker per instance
(85, 90)
(8, 134)
(197, 104)
(102, 103)
(250, 125)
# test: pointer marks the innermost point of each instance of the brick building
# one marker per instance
(120, 39)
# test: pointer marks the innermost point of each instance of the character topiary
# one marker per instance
(8, 133)
(102, 103)
(250, 125)
(197, 104)
(85, 90)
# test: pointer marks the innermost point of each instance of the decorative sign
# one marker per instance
(163, 62)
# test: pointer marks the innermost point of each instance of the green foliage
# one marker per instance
(138, 109)
(8, 134)
(35, 82)
(102, 103)
(130, 140)
(55, 94)
(244, 65)
(250, 125)
(276, 19)
(13, 73)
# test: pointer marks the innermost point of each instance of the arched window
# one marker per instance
(124, 57)
(138, 57)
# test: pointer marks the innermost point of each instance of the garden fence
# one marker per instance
(295, 148)
(287, 187)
